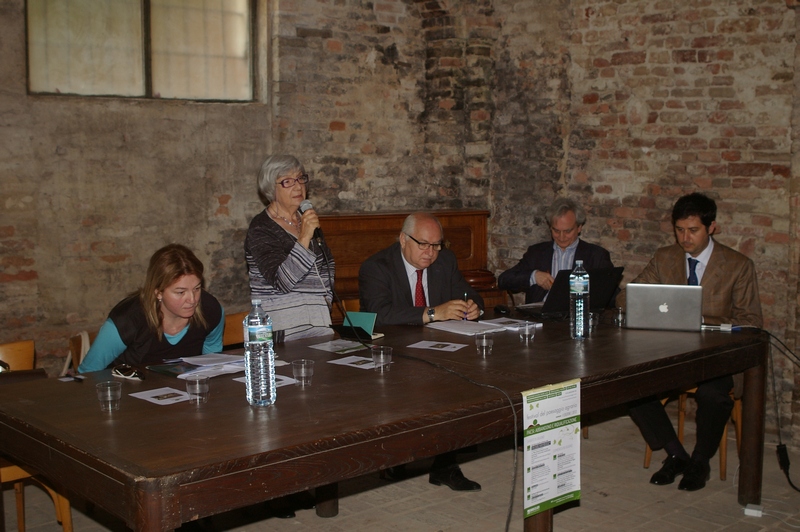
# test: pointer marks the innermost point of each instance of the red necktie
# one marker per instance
(419, 293)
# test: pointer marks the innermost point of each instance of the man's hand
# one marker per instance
(544, 279)
(457, 309)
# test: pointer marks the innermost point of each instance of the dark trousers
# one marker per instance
(444, 461)
(714, 405)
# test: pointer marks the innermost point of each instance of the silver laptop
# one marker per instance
(667, 307)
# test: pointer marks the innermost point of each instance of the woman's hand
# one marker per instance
(310, 222)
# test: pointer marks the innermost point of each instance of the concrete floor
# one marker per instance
(616, 496)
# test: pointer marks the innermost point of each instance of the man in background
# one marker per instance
(730, 295)
(537, 270)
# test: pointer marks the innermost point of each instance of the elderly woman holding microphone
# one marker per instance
(291, 268)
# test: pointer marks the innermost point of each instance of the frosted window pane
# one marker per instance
(86, 47)
(201, 49)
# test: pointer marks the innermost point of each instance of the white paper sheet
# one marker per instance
(340, 347)
(355, 362)
(162, 396)
(468, 328)
(437, 346)
(508, 323)
(280, 380)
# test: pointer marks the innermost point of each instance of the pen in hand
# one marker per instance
(465, 312)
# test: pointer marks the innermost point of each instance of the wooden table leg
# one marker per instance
(752, 455)
(541, 522)
(327, 500)
(2, 513)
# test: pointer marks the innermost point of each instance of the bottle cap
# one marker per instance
(255, 301)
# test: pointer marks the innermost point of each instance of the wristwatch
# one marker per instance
(431, 312)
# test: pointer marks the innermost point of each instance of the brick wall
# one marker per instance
(673, 97)
(628, 105)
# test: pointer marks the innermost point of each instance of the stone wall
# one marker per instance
(411, 104)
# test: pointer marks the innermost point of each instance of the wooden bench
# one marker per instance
(355, 237)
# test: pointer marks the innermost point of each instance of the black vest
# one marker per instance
(143, 345)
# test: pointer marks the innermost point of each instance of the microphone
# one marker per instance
(304, 206)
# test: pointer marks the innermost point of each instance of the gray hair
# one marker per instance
(562, 206)
(274, 167)
(410, 222)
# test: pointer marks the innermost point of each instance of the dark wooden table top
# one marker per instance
(156, 464)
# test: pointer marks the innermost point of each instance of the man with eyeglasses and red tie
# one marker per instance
(416, 281)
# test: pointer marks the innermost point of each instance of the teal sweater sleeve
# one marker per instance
(106, 347)
(213, 342)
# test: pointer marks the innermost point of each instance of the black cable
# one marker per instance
(785, 350)
(338, 301)
(513, 413)
(781, 451)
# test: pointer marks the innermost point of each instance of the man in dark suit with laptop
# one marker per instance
(537, 270)
(730, 296)
(416, 281)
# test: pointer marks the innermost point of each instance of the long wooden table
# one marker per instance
(159, 466)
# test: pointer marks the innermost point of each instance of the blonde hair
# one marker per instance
(167, 265)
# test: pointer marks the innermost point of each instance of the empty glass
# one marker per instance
(484, 342)
(197, 388)
(303, 371)
(109, 394)
(382, 358)
(526, 332)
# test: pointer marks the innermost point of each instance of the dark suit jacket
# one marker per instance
(730, 288)
(540, 257)
(383, 286)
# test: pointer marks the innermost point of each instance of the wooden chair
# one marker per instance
(736, 417)
(20, 356)
(233, 333)
(78, 347)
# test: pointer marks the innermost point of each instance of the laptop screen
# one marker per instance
(603, 283)
(664, 306)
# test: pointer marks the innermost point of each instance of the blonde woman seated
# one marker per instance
(172, 316)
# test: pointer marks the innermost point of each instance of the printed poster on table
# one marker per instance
(552, 455)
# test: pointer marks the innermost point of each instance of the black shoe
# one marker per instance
(453, 478)
(286, 506)
(281, 509)
(673, 466)
(394, 474)
(697, 472)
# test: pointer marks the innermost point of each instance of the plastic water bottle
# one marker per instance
(259, 356)
(579, 325)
